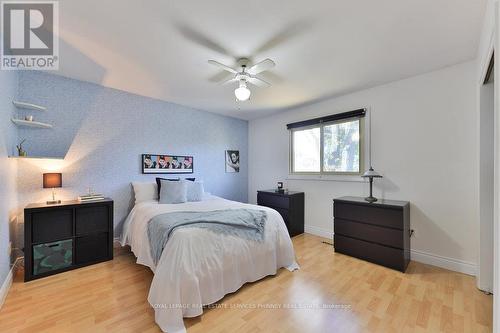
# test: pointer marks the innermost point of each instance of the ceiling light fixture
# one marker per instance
(242, 93)
(245, 74)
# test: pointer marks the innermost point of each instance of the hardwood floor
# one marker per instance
(111, 297)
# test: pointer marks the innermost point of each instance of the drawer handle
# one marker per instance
(53, 245)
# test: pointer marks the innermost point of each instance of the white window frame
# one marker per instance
(321, 165)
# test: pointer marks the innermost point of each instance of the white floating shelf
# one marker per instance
(29, 106)
(37, 157)
(26, 123)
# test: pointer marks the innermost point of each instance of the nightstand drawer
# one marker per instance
(51, 225)
(91, 248)
(91, 220)
(368, 232)
(390, 218)
(52, 256)
(272, 201)
(284, 214)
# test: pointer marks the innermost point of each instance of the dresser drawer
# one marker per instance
(284, 214)
(91, 220)
(379, 254)
(51, 225)
(272, 201)
(369, 232)
(390, 218)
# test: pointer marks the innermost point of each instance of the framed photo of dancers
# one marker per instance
(166, 164)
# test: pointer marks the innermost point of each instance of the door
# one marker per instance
(486, 180)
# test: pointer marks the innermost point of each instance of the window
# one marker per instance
(306, 152)
(334, 147)
(341, 147)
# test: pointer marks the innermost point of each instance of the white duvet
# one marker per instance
(198, 266)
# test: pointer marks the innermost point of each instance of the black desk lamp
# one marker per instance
(370, 174)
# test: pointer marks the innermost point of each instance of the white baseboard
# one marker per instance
(4, 290)
(451, 264)
(7, 283)
(317, 231)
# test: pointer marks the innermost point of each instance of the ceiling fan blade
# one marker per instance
(198, 37)
(231, 79)
(227, 68)
(258, 81)
(220, 76)
(264, 65)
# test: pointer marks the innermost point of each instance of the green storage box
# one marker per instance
(52, 256)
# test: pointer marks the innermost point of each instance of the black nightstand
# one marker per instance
(289, 204)
(61, 237)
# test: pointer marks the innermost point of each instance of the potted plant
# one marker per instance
(21, 152)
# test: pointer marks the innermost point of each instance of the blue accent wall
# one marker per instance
(8, 168)
(105, 131)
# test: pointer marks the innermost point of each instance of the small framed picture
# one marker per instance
(166, 164)
(232, 161)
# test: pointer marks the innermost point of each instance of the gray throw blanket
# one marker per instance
(245, 223)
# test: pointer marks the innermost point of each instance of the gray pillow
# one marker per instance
(173, 192)
(195, 191)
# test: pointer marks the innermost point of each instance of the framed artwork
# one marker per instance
(166, 164)
(232, 161)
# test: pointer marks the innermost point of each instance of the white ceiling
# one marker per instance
(323, 48)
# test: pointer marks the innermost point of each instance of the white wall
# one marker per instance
(424, 140)
(8, 176)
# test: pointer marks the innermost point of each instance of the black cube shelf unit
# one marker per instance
(62, 237)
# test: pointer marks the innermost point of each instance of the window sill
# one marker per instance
(330, 178)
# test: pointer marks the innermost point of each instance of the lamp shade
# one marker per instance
(242, 93)
(52, 180)
(371, 173)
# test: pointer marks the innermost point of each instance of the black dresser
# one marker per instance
(290, 205)
(66, 236)
(378, 232)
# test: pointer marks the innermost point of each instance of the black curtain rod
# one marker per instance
(325, 119)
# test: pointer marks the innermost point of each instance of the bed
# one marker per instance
(197, 266)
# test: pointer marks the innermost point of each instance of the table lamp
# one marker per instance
(370, 174)
(52, 180)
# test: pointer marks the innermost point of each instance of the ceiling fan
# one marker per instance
(245, 75)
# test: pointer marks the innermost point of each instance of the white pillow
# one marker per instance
(145, 191)
(173, 192)
(195, 191)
